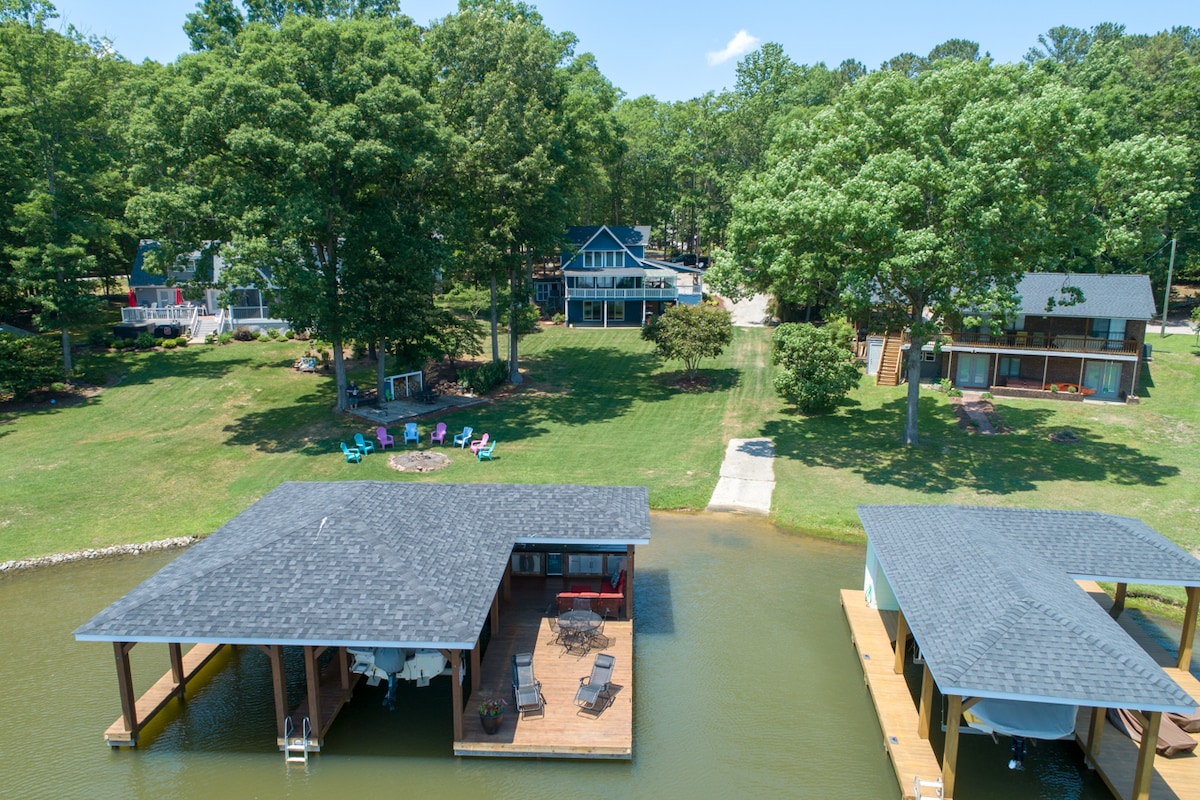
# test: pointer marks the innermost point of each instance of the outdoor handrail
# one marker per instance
(617, 294)
(1032, 340)
(185, 315)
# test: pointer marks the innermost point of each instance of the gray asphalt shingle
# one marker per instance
(991, 598)
(1112, 296)
(372, 563)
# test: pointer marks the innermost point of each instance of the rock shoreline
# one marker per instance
(100, 552)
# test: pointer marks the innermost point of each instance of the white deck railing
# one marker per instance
(184, 315)
(621, 294)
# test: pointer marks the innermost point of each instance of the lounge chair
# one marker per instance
(352, 454)
(410, 433)
(463, 439)
(384, 438)
(479, 444)
(527, 689)
(485, 452)
(364, 447)
(595, 686)
(1172, 741)
(439, 434)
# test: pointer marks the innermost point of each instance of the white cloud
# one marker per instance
(739, 45)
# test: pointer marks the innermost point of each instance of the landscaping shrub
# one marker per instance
(225, 338)
(358, 350)
(27, 363)
(289, 334)
(483, 379)
(244, 334)
(558, 319)
(169, 344)
(272, 333)
(144, 341)
(182, 341)
(98, 337)
(263, 336)
(816, 371)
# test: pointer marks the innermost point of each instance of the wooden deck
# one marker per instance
(872, 633)
(563, 730)
(1174, 778)
(333, 699)
(157, 696)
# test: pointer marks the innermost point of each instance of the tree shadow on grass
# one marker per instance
(870, 444)
(130, 369)
(307, 427)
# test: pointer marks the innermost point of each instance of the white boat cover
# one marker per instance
(1022, 718)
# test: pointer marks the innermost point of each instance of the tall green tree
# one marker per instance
(64, 185)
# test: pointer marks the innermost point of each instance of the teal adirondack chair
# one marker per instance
(352, 454)
(485, 452)
(364, 447)
(410, 433)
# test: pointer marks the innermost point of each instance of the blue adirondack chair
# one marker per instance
(352, 454)
(463, 439)
(364, 447)
(410, 433)
(485, 452)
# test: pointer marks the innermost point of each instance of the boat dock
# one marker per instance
(563, 730)
(1177, 777)
(184, 668)
(872, 633)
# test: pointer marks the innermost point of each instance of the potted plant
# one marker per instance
(491, 714)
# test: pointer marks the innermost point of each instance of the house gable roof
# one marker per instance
(580, 236)
(990, 595)
(366, 563)
(1112, 296)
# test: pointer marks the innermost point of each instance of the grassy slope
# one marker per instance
(186, 439)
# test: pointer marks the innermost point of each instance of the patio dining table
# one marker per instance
(577, 628)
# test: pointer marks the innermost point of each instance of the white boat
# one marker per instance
(389, 663)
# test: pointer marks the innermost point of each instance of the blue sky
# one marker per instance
(677, 49)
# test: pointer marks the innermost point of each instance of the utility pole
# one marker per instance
(1167, 293)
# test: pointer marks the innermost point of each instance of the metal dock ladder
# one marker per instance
(296, 748)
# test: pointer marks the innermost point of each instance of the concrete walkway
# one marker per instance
(747, 477)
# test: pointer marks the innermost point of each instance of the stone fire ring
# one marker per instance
(418, 461)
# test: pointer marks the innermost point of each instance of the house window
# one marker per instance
(592, 311)
(928, 355)
(616, 310)
(1010, 368)
(527, 563)
(602, 258)
(580, 564)
(541, 292)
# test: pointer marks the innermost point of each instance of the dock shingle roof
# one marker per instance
(363, 563)
(991, 598)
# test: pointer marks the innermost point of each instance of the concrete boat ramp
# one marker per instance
(747, 478)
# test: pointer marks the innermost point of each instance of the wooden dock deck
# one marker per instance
(563, 731)
(911, 755)
(157, 696)
(1174, 778)
(333, 698)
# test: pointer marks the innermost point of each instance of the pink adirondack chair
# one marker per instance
(439, 434)
(479, 444)
(384, 438)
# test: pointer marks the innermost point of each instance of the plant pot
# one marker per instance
(491, 724)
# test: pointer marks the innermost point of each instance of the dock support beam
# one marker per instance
(925, 711)
(901, 642)
(1118, 600)
(950, 754)
(1095, 729)
(456, 692)
(495, 615)
(1189, 628)
(312, 679)
(629, 582)
(1145, 758)
(175, 649)
(476, 667)
(125, 684)
(279, 686)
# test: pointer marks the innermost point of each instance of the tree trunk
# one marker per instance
(514, 374)
(914, 393)
(380, 369)
(495, 323)
(339, 373)
(66, 346)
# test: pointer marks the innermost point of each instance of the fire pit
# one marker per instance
(418, 461)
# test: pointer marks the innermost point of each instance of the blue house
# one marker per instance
(608, 281)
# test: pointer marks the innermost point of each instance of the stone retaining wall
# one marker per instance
(102, 552)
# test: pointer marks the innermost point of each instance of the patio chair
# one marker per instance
(463, 439)
(410, 433)
(527, 689)
(352, 454)
(439, 434)
(479, 444)
(595, 686)
(364, 447)
(485, 452)
(384, 438)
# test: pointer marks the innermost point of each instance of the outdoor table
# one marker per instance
(578, 626)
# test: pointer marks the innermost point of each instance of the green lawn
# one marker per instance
(181, 441)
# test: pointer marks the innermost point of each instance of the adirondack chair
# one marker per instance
(439, 434)
(463, 439)
(410, 433)
(352, 454)
(364, 447)
(384, 438)
(485, 452)
(479, 444)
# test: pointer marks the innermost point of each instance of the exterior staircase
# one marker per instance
(204, 326)
(889, 362)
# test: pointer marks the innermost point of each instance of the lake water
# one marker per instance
(747, 686)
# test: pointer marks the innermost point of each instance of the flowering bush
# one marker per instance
(492, 708)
